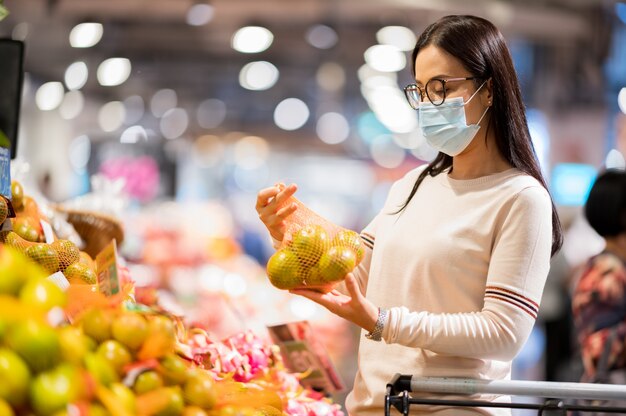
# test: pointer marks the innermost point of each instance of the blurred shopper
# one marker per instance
(458, 257)
(599, 301)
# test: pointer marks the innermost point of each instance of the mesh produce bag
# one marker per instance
(61, 255)
(315, 253)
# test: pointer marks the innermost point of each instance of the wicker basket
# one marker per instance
(96, 229)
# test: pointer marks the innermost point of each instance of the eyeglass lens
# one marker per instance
(435, 92)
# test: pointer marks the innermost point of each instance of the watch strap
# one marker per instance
(377, 333)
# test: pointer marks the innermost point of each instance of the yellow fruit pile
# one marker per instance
(28, 237)
(110, 361)
(315, 258)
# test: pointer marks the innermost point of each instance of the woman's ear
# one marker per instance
(486, 95)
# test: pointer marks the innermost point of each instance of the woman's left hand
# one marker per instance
(354, 307)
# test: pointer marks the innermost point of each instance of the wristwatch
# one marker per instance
(377, 333)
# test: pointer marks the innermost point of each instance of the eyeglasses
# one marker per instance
(435, 91)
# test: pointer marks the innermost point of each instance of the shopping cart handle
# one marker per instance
(464, 386)
(399, 383)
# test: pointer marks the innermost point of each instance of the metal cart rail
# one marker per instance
(398, 389)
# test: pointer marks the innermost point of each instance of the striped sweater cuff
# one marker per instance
(368, 240)
(513, 298)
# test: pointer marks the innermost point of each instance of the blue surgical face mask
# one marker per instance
(444, 126)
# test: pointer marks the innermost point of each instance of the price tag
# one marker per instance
(108, 276)
(60, 280)
(303, 353)
(5, 171)
(47, 231)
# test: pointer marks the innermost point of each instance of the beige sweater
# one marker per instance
(461, 270)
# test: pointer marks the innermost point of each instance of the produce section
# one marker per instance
(68, 348)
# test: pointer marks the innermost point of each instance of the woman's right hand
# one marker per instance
(270, 204)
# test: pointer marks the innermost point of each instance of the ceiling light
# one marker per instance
(401, 37)
(258, 76)
(49, 96)
(211, 113)
(621, 100)
(79, 152)
(322, 36)
(291, 114)
(385, 58)
(111, 116)
(331, 76)
(113, 71)
(424, 152)
(133, 134)
(208, 151)
(386, 153)
(76, 75)
(162, 101)
(135, 109)
(85, 35)
(251, 152)
(72, 105)
(252, 39)
(332, 128)
(174, 123)
(200, 14)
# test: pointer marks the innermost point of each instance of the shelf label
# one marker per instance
(106, 263)
(303, 353)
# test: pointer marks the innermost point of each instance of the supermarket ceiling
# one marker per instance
(199, 63)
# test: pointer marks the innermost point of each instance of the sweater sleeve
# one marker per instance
(517, 272)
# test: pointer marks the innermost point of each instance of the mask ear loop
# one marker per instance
(475, 92)
(470, 99)
(483, 116)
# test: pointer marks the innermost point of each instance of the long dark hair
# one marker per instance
(482, 50)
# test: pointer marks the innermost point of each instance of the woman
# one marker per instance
(457, 258)
(599, 301)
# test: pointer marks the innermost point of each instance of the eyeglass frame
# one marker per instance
(425, 91)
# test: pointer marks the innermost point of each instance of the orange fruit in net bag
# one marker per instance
(283, 270)
(336, 263)
(17, 195)
(4, 209)
(44, 255)
(86, 259)
(77, 273)
(24, 227)
(12, 239)
(350, 239)
(309, 243)
(67, 251)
